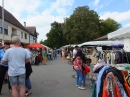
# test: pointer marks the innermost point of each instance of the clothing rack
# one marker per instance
(111, 51)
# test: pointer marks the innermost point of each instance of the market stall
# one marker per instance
(123, 36)
(93, 48)
(36, 49)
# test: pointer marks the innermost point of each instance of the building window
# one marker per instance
(25, 36)
(21, 34)
(5, 31)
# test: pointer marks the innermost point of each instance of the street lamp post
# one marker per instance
(3, 21)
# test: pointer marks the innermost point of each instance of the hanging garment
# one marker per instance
(119, 75)
(99, 64)
(93, 87)
(121, 89)
(108, 55)
(110, 87)
(99, 79)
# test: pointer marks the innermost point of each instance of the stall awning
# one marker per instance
(101, 43)
(122, 33)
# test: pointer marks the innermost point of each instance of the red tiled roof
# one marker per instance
(11, 19)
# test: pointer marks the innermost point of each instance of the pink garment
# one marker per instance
(99, 64)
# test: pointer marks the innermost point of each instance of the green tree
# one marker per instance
(108, 25)
(82, 25)
(55, 36)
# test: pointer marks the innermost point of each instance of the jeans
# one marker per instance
(84, 79)
(17, 80)
(78, 77)
(28, 84)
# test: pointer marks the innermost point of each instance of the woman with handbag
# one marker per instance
(79, 60)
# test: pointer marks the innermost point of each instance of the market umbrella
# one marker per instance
(36, 45)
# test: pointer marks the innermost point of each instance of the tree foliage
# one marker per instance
(55, 36)
(82, 26)
(108, 25)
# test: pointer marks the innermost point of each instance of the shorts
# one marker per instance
(17, 80)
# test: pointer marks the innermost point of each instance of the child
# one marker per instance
(85, 71)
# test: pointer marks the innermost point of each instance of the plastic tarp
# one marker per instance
(122, 33)
(101, 43)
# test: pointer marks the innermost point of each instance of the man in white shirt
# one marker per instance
(75, 51)
(16, 57)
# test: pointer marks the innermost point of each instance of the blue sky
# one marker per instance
(41, 13)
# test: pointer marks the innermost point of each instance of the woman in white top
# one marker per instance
(63, 55)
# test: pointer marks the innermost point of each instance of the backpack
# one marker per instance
(78, 63)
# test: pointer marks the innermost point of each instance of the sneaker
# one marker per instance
(81, 88)
(76, 85)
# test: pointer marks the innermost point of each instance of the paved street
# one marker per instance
(53, 80)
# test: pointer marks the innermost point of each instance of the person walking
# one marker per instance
(16, 57)
(3, 67)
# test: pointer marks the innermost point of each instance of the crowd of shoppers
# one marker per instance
(15, 60)
(15, 65)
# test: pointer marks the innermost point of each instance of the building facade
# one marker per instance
(12, 27)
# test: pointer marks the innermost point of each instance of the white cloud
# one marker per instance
(119, 17)
(102, 5)
(127, 25)
(41, 20)
(96, 2)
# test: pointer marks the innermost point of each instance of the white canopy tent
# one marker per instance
(100, 43)
(70, 45)
(46, 47)
(122, 33)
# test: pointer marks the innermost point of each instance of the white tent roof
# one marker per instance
(125, 32)
(101, 43)
(45, 46)
(71, 45)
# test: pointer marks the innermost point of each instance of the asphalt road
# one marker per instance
(53, 80)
